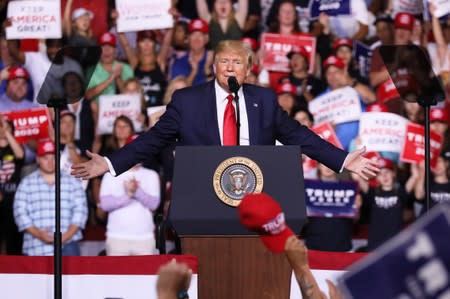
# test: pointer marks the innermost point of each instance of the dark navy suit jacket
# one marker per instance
(191, 119)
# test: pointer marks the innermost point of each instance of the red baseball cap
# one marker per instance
(299, 50)
(439, 114)
(333, 60)
(377, 108)
(198, 25)
(16, 72)
(251, 42)
(107, 38)
(286, 87)
(341, 42)
(45, 147)
(404, 20)
(261, 213)
(385, 163)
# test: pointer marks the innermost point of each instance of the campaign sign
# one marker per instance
(112, 106)
(413, 150)
(29, 124)
(275, 47)
(413, 7)
(363, 55)
(135, 15)
(330, 7)
(338, 106)
(414, 264)
(34, 19)
(442, 7)
(387, 91)
(326, 131)
(330, 199)
(382, 131)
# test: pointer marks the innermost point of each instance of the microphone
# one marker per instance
(233, 84)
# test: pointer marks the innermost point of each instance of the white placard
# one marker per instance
(338, 106)
(86, 286)
(34, 19)
(135, 15)
(442, 7)
(413, 7)
(112, 106)
(382, 131)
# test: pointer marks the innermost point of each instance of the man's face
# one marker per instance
(298, 63)
(344, 53)
(108, 54)
(46, 163)
(335, 77)
(197, 40)
(402, 36)
(286, 101)
(53, 48)
(384, 32)
(67, 125)
(17, 89)
(227, 64)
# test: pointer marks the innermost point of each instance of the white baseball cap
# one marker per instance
(80, 12)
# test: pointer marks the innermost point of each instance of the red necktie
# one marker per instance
(229, 123)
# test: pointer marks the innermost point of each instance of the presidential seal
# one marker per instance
(236, 177)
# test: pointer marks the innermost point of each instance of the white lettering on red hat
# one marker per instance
(332, 60)
(437, 113)
(276, 225)
(404, 19)
(48, 147)
(107, 37)
(286, 87)
(197, 24)
(20, 72)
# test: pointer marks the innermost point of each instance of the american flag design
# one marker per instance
(7, 168)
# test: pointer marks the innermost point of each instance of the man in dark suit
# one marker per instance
(196, 116)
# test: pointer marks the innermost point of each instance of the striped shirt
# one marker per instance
(34, 205)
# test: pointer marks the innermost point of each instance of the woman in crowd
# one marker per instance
(224, 21)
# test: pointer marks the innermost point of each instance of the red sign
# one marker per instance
(414, 146)
(29, 124)
(275, 47)
(326, 131)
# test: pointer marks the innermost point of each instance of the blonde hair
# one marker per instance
(139, 90)
(235, 46)
(172, 87)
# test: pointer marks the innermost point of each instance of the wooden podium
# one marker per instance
(238, 267)
(233, 262)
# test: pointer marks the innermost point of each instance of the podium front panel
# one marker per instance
(195, 208)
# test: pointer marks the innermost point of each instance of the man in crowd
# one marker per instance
(205, 115)
(34, 207)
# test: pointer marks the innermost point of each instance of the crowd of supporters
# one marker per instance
(154, 63)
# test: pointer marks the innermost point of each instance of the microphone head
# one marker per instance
(233, 84)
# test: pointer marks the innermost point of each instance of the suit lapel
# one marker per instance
(253, 114)
(211, 123)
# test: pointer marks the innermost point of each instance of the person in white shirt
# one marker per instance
(130, 199)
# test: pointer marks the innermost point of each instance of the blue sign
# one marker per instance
(363, 56)
(330, 199)
(330, 7)
(414, 264)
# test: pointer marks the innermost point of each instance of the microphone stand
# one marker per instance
(238, 119)
(57, 104)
